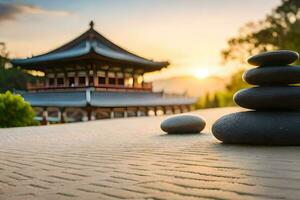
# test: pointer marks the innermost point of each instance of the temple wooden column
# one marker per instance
(112, 114)
(95, 76)
(93, 115)
(184, 109)
(87, 78)
(147, 111)
(173, 110)
(62, 115)
(180, 109)
(55, 80)
(164, 109)
(45, 116)
(106, 78)
(116, 79)
(125, 112)
(47, 84)
(133, 80)
(89, 113)
(155, 111)
(138, 114)
(66, 79)
(76, 79)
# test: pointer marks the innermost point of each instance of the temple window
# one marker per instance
(128, 80)
(71, 81)
(91, 81)
(121, 81)
(101, 77)
(112, 81)
(81, 80)
(111, 78)
(120, 77)
(51, 81)
(101, 80)
(60, 81)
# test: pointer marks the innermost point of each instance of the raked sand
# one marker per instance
(133, 159)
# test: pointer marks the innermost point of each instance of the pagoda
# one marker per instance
(92, 78)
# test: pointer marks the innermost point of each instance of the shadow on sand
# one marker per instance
(182, 134)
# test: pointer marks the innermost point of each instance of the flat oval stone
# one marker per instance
(272, 98)
(273, 75)
(280, 57)
(183, 124)
(259, 128)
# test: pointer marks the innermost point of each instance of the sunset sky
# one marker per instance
(188, 33)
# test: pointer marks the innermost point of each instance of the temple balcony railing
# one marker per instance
(147, 87)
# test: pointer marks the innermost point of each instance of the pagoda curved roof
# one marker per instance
(90, 43)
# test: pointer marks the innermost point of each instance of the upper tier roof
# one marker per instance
(90, 45)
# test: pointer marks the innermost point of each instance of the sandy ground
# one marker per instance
(133, 159)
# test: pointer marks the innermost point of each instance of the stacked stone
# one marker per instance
(276, 104)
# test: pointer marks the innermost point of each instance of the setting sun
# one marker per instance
(202, 73)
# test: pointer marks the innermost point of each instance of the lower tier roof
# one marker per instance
(103, 99)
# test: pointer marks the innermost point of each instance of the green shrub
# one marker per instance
(15, 111)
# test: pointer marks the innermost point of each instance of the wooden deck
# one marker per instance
(133, 159)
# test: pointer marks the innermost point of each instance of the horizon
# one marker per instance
(193, 49)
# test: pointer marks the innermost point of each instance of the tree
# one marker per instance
(3, 55)
(279, 30)
(12, 78)
(15, 111)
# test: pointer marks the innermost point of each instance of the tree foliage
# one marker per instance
(12, 78)
(15, 111)
(279, 30)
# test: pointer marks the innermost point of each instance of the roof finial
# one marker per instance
(92, 24)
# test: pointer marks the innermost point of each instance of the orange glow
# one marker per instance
(202, 73)
(184, 33)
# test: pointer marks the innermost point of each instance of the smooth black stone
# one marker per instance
(273, 98)
(273, 75)
(259, 128)
(183, 124)
(281, 57)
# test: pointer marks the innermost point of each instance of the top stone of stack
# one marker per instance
(271, 58)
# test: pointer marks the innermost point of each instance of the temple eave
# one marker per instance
(91, 57)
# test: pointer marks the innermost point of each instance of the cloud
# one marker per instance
(10, 11)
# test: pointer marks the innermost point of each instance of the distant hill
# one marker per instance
(190, 85)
